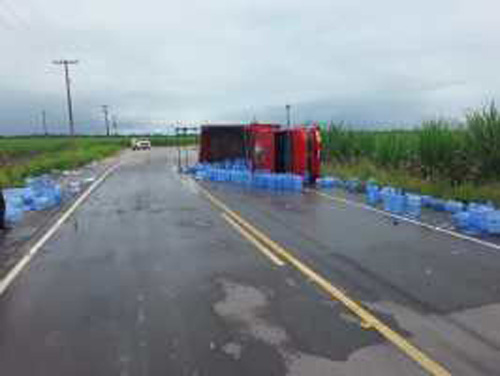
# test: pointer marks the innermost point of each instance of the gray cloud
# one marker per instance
(156, 62)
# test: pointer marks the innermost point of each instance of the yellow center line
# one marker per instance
(368, 319)
(275, 259)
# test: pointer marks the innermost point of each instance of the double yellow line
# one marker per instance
(265, 251)
(368, 320)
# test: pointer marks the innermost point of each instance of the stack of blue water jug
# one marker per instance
(237, 171)
(478, 219)
(40, 193)
(394, 200)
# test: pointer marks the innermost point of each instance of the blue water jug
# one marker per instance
(493, 222)
(297, 182)
(413, 206)
(461, 220)
(453, 206)
(478, 214)
(373, 195)
(397, 203)
(14, 208)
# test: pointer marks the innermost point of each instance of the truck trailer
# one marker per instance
(264, 147)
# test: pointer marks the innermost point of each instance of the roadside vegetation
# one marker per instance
(21, 157)
(441, 158)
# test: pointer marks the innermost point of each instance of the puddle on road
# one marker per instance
(246, 306)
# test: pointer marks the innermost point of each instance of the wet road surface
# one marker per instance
(147, 278)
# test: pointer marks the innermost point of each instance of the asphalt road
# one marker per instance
(148, 278)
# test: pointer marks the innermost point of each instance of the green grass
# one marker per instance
(451, 160)
(21, 157)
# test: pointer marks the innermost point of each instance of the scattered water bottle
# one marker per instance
(413, 206)
(478, 217)
(453, 206)
(397, 203)
(14, 209)
(492, 222)
(297, 182)
(437, 204)
(461, 220)
(386, 194)
(373, 194)
(326, 182)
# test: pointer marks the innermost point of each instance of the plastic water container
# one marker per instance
(373, 195)
(426, 200)
(257, 180)
(461, 220)
(394, 201)
(453, 206)
(352, 185)
(13, 214)
(14, 209)
(246, 177)
(397, 203)
(326, 182)
(439, 204)
(57, 194)
(385, 194)
(265, 180)
(278, 183)
(336, 182)
(478, 217)
(413, 206)
(43, 202)
(271, 182)
(492, 222)
(297, 182)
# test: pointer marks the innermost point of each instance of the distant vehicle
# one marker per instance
(141, 144)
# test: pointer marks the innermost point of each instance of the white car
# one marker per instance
(141, 144)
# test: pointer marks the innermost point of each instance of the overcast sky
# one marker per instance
(155, 62)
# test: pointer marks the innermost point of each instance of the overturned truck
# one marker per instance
(264, 147)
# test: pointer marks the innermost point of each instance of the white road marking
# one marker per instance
(24, 261)
(409, 220)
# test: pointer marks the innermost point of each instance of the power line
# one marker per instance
(66, 63)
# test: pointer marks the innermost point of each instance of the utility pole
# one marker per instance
(106, 120)
(66, 63)
(115, 125)
(287, 107)
(44, 123)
